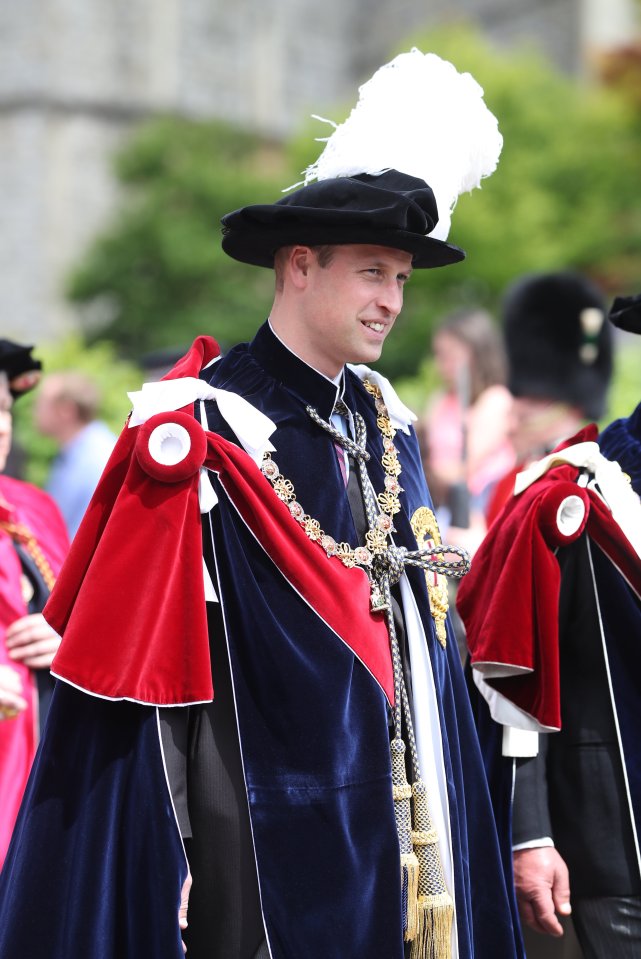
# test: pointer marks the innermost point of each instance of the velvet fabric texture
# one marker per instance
(122, 639)
(621, 441)
(133, 655)
(516, 574)
(96, 808)
(312, 715)
(313, 727)
(621, 613)
(510, 632)
(318, 771)
(156, 651)
(133, 617)
(516, 628)
(390, 209)
(25, 504)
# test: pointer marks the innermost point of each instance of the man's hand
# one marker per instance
(11, 700)
(184, 904)
(542, 888)
(31, 641)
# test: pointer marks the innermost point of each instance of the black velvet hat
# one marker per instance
(419, 135)
(625, 313)
(22, 370)
(391, 209)
(558, 344)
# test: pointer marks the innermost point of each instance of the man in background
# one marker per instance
(66, 410)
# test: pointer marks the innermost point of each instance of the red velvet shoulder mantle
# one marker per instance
(130, 600)
(509, 599)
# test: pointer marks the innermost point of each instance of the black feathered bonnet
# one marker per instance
(558, 344)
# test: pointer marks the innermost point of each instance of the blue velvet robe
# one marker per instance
(621, 441)
(97, 841)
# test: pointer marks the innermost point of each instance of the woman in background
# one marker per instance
(464, 431)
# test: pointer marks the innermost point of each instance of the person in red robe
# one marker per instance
(33, 544)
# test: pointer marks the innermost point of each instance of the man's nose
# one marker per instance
(391, 297)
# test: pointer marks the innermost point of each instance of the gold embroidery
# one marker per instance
(426, 531)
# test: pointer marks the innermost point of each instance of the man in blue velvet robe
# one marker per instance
(275, 801)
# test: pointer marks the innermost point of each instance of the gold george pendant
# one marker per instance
(427, 533)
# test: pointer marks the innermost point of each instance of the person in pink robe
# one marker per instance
(33, 544)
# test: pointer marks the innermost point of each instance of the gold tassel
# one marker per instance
(434, 937)
(435, 905)
(402, 793)
(409, 879)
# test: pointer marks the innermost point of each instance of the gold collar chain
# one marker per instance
(376, 538)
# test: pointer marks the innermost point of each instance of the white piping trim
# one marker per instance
(513, 789)
(167, 783)
(128, 699)
(614, 709)
(492, 669)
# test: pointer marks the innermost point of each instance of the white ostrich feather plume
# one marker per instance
(420, 116)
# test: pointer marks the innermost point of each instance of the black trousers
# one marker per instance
(205, 771)
(608, 927)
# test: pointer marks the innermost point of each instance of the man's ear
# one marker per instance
(299, 262)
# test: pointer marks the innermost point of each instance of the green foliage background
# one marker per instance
(158, 276)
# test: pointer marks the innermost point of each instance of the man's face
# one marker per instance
(46, 410)
(350, 305)
(6, 402)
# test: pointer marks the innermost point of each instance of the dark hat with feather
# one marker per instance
(418, 137)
